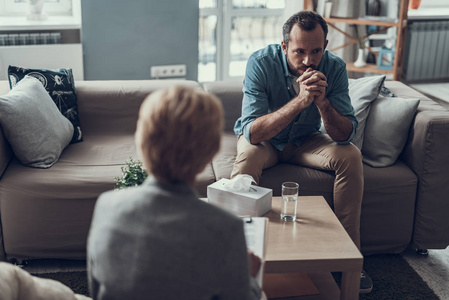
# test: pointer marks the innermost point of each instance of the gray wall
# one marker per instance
(123, 39)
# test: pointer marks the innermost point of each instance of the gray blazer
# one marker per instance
(159, 241)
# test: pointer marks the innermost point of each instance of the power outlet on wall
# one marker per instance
(168, 71)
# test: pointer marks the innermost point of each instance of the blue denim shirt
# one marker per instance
(268, 86)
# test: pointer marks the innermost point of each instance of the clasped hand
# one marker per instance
(312, 87)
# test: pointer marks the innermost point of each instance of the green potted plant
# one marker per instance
(133, 174)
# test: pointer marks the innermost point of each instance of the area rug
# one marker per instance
(393, 278)
(77, 281)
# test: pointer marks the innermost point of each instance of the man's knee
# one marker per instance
(252, 155)
(252, 159)
(353, 153)
(349, 156)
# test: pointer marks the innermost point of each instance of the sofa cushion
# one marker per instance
(362, 92)
(388, 208)
(388, 191)
(60, 85)
(58, 202)
(231, 94)
(387, 129)
(111, 107)
(32, 124)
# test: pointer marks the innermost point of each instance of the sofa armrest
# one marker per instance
(5, 158)
(5, 148)
(426, 153)
(5, 153)
(230, 93)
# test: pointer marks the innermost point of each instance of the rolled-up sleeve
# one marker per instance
(340, 100)
(255, 98)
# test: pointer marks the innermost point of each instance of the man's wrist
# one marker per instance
(323, 105)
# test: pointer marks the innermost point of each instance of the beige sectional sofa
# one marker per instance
(46, 213)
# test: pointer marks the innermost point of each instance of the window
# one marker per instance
(430, 9)
(230, 31)
(434, 4)
(22, 7)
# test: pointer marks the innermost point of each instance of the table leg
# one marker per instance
(350, 285)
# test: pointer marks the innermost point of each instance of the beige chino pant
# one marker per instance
(318, 151)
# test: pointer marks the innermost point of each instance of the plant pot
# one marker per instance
(360, 62)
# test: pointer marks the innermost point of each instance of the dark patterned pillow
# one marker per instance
(60, 85)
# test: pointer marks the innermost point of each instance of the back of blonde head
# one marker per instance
(178, 132)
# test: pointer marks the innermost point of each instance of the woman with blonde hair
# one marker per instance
(158, 240)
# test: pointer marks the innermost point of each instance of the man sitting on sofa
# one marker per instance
(288, 90)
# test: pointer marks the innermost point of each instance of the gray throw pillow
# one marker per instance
(33, 125)
(387, 129)
(362, 92)
(60, 85)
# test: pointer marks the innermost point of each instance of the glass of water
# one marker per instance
(289, 201)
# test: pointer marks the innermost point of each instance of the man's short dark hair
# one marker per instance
(306, 20)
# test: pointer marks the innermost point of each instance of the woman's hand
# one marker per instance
(254, 263)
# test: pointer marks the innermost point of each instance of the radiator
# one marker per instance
(427, 54)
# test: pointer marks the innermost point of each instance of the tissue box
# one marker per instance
(255, 203)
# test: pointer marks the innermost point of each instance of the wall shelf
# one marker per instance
(400, 24)
(369, 68)
(361, 22)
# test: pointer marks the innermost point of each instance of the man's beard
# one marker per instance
(298, 71)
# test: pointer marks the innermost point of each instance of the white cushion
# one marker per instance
(362, 92)
(33, 125)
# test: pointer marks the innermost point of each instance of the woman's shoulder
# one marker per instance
(116, 203)
(117, 197)
(215, 215)
(152, 199)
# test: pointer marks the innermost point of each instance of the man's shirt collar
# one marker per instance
(285, 64)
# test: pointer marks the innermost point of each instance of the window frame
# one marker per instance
(434, 4)
(62, 8)
(205, 12)
(225, 13)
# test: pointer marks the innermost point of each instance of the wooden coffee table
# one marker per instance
(315, 243)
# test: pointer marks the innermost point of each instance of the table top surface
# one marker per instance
(316, 241)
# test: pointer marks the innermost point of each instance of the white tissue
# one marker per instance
(241, 182)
